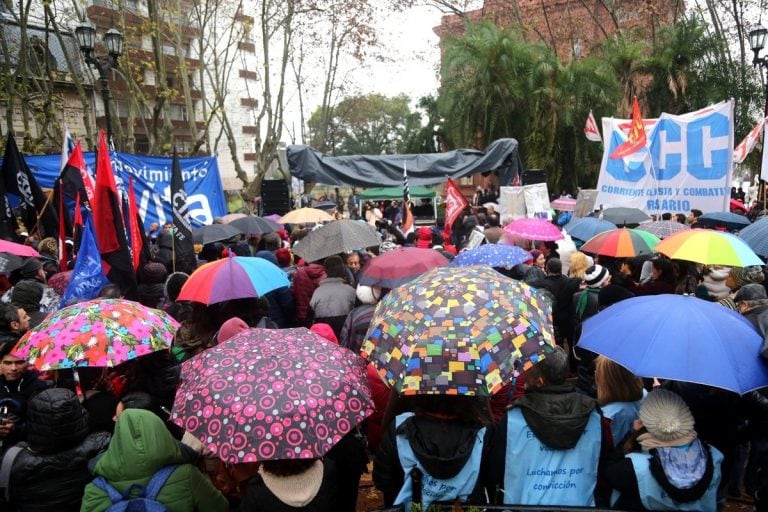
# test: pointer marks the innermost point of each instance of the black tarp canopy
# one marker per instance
(387, 170)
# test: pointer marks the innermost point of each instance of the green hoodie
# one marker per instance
(140, 447)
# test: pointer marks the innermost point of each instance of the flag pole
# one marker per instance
(173, 248)
(40, 213)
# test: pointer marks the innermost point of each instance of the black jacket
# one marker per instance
(442, 447)
(259, 498)
(52, 470)
(562, 288)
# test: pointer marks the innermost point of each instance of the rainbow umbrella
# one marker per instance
(533, 229)
(709, 247)
(234, 277)
(621, 243)
(100, 332)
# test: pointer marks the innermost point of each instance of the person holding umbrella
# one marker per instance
(663, 465)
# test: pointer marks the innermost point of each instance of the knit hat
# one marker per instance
(750, 292)
(596, 276)
(231, 327)
(746, 275)
(611, 294)
(30, 267)
(535, 254)
(27, 294)
(666, 416)
(267, 255)
(154, 272)
(284, 257)
(173, 285)
(368, 294)
(424, 237)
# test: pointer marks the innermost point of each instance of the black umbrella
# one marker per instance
(336, 237)
(255, 225)
(325, 205)
(214, 233)
(10, 262)
(622, 216)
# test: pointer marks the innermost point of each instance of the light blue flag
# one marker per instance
(88, 277)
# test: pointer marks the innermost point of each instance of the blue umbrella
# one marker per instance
(756, 236)
(679, 338)
(493, 255)
(587, 227)
(731, 221)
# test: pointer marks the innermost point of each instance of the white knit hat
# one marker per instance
(596, 276)
(666, 416)
(368, 294)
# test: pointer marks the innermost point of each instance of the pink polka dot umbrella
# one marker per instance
(269, 394)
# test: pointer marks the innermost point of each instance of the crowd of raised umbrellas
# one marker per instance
(613, 362)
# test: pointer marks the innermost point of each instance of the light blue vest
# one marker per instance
(622, 415)
(460, 486)
(537, 475)
(653, 496)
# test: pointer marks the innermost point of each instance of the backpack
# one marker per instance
(144, 501)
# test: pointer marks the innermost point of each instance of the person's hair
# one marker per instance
(138, 400)
(110, 291)
(493, 221)
(554, 266)
(250, 309)
(5, 348)
(272, 242)
(578, 265)
(8, 313)
(696, 212)
(461, 408)
(553, 369)
(334, 267)
(666, 216)
(350, 254)
(287, 467)
(410, 238)
(614, 383)
(666, 270)
(680, 218)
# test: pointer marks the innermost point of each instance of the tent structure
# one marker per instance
(387, 170)
(396, 193)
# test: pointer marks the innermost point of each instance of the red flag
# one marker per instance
(741, 151)
(590, 129)
(62, 231)
(455, 202)
(78, 221)
(636, 140)
(137, 242)
(108, 223)
(75, 177)
(407, 226)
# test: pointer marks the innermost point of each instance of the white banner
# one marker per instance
(512, 202)
(537, 200)
(687, 164)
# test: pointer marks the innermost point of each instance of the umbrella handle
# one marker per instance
(78, 387)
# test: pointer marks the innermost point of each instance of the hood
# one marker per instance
(684, 472)
(140, 446)
(315, 271)
(55, 421)
(27, 294)
(556, 414)
(442, 447)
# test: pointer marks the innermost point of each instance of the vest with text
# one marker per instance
(460, 486)
(535, 474)
(622, 415)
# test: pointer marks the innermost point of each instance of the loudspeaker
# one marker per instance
(532, 176)
(275, 197)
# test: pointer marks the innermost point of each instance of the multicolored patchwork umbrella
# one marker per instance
(234, 277)
(709, 247)
(394, 268)
(493, 255)
(100, 332)
(533, 229)
(464, 331)
(662, 228)
(269, 394)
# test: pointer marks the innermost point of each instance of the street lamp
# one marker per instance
(757, 43)
(113, 41)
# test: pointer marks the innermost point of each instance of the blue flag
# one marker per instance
(88, 277)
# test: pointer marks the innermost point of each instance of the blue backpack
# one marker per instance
(143, 501)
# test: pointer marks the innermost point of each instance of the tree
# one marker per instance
(366, 125)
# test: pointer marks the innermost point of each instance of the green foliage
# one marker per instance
(367, 125)
(497, 84)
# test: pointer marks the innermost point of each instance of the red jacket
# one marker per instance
(305, 281)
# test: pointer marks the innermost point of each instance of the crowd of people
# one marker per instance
(575, 429)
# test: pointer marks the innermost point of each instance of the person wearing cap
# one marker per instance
(547, 448)
(32, 270)
(585, 302)
(736, 279)
(752, 302)
(663, 465)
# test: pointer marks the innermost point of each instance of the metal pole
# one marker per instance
(105, 97)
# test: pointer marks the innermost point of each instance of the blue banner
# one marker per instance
(151, 181)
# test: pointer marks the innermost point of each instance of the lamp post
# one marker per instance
(113, 41)
(757, 43)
